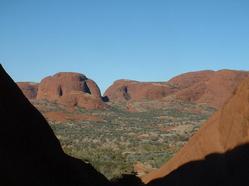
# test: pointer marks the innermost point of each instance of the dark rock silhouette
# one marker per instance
(30, 154)
(227, 169)
(128, 180)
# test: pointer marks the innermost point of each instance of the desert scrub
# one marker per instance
(115, 144)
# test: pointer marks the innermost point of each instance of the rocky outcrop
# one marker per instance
(213, 88)
(29, 89)
(71, 89)
(225, 130)
(30, 153)
(126, 90)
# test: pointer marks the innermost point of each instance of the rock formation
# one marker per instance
(126, 90)
(30, 153)
(213, 88)
(71, 89)
(29, 89)
(225, 130)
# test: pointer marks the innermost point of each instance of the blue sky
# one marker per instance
(149, 40)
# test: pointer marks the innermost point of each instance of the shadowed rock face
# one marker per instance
(227, 169)
(29, 89)
(211, 87)
(71, 89)
(30, 153)
(226, 129)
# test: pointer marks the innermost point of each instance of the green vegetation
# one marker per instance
(115, 144)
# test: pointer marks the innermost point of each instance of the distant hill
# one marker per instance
(210, 87)
(66, 88)
(213, 88)
(75, 89)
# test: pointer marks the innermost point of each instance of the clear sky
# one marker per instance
(149, 40)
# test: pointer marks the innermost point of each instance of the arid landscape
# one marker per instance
(124, 93)
(153, 144)
(135, 127)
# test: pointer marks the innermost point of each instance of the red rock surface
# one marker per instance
(81, 99)
(29, 89)
(226, 129)
(71, 89)
(126, 90)
(211, 87)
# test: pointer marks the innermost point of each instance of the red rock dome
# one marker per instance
(71, 89)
